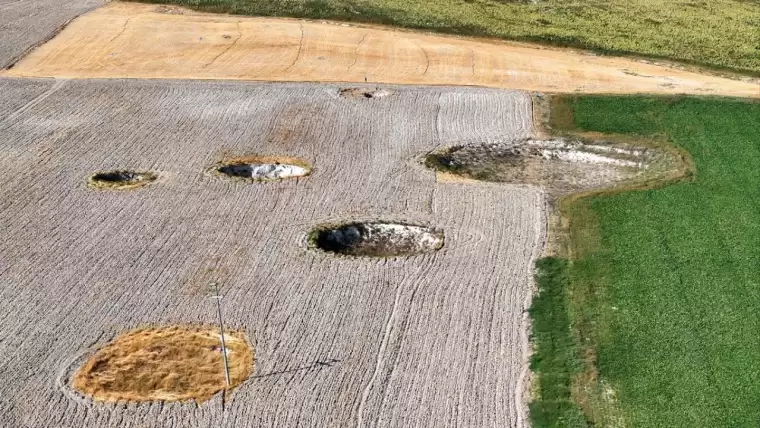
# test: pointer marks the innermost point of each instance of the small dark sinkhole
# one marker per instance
(121, 179)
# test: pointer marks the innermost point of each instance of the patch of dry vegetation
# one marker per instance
(165, 364)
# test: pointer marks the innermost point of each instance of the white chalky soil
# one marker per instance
(265, 171)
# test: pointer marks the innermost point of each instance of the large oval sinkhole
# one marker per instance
(561, 166)
(121, 179)
(264, 168)
(377, 239)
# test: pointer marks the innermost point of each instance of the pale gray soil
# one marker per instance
(25, 24)
(435, 340)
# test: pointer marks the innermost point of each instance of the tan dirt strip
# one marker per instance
(128, 40)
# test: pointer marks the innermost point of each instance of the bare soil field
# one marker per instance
(27, 23)
(434, 340)
(127, 40)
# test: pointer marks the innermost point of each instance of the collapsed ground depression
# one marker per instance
(339, 341)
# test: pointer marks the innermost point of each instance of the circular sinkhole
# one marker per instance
(173, 363)
(377, 239)
(264, 168)
(365, 93)
(121, 179)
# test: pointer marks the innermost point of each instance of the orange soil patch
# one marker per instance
(127, 40)
(164, 364)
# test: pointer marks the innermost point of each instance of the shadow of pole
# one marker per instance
(316, 364)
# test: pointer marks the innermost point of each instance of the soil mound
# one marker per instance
(121, 179)
(264, 168)
(164, 364)
(378, 239)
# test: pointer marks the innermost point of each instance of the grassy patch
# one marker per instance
(556, 358)
(716, 33)
(665, 288)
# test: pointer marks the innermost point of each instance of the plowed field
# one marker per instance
(434, 340)
(26, 23)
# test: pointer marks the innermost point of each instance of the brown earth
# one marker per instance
(146, 41)
(168, 364)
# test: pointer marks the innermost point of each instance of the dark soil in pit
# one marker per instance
(122, 179)
(365, 93)
(377, 239)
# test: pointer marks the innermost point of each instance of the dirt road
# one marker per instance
(436, 340)
(149, 41)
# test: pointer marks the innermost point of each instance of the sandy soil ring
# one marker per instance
(263, 168)
(377, 239)
(365, 93)
(121, 179)
(174, 363)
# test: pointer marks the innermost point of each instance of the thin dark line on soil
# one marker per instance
(427, 58)
(316, 364)
(232, 45)
(123, 29)
(300, 48)
(356, 52)
(472, 58)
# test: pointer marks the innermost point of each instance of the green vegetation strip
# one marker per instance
(556, 354)
(715, 33)
(664, 299)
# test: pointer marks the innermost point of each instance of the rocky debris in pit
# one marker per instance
(365, 93)
(263, 171)
(121, 179)
(559, 165)
(378, 239)
(264, 168)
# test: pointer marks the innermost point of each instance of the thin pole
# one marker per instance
(218, 299)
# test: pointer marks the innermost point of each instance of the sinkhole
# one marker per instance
(264, 168)
(121, 179)
(377, 239)
(365, 93)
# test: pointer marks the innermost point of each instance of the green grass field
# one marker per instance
(715, 33)
(667, 298)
